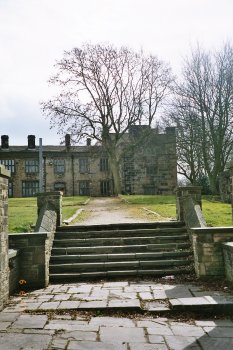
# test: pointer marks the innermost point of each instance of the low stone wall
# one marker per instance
(208, 250)
(4, 268)
(192, 215)
(228, 260)
(14, 271)
(33, 252)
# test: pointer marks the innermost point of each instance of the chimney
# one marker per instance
(31, 142)
(5, 141)
(67, 140)
(88, 142)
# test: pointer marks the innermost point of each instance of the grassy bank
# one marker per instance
(216, 213)
(23, 211)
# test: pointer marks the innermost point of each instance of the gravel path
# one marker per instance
(109, 211)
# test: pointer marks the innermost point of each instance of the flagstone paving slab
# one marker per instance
(73, 345)
(219, 332)
(11, 316)
(79, 335)
(122, 334)
(4, 325)
(159, 330)
(30, 321)
(208, 343)
(141, 346)
(187, 330)
(112, 321)
(13, 341)
(177, 342)
(68, 305)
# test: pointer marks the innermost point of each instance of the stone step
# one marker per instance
(135, 248)
(118, 257)
(114, 265)
(105, 274)
(157, 249)
(121, 226)
(118, 240)
(121, 233)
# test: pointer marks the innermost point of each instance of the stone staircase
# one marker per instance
(157, 249)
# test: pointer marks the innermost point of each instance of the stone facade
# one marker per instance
(4, 268)
(149, 168)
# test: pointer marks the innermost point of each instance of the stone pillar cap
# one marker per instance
(4, 172)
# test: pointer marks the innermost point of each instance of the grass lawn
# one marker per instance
(22, 214)
(163, 205)
(23, 211)
(216, 213)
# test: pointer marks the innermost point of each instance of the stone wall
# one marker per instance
(14, 264)
(33, 252)
(228, 260)
(34, 249)
(4, 268)
(208, 250)
(206, 241)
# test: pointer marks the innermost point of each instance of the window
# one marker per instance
(31, 166)
(103, 164)
(30, 188)
(151, 170)
(59, 166)
(105, 188)
(83, 165)
(9, 164)
(84, 188)
(149, 190)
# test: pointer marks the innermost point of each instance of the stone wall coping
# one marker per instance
(4, 172)
(31, 235)
(12, 253)
(212, 230)
(228, 245)
(47, 194)
(187, 188)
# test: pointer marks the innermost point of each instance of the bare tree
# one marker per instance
(104, 91)
(203, 113)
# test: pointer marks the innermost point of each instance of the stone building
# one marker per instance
(84, 170)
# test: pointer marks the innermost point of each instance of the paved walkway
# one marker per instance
(110, 211)
(86, 316)
(43, 318)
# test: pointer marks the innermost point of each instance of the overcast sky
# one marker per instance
(34, 33)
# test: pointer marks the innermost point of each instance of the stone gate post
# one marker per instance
(183, 191)
(54, 199)
(4, 268)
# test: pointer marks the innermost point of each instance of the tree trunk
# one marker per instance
(114, 164)
(213, 184)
